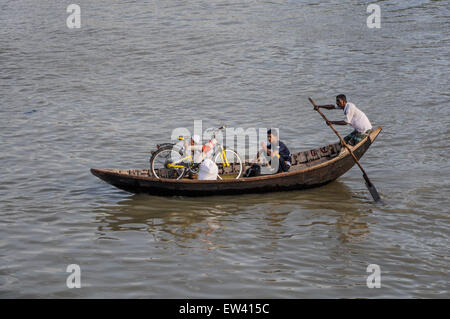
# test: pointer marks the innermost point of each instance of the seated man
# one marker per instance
(353, 116)
(276, 150)
(194, 148)
(203, 154)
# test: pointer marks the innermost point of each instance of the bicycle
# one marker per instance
(169, 161)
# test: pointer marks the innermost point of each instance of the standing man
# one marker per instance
(353, 116)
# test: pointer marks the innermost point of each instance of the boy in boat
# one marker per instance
(277, 151)
(353, 116)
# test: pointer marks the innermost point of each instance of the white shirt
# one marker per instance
(196, 149)
(356, 118)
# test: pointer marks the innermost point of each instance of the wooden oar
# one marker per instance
(370, 186)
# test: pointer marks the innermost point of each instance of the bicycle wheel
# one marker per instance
(160, 160)
(233, 158)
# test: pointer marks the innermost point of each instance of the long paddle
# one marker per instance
(370, 186)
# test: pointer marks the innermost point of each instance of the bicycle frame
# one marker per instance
(179, 163)
(184, 164)
(222, 153)
(175, 164)
(223, 156)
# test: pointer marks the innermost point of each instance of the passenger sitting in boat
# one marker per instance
(194, 148)
(279, 152)
(353, 116)
(203, 154)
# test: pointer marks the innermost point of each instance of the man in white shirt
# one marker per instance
(353, 116)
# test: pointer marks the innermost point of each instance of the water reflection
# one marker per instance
(185, 221)
(178, 220)
(350, 228)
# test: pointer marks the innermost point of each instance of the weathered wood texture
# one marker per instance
(310, 169)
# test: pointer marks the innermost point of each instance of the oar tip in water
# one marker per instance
(373, 191)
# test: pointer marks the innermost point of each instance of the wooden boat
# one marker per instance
(311, 168)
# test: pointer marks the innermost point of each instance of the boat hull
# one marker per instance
(312, 176)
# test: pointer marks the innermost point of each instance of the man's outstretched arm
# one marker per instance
(327, 106)
(337, 122)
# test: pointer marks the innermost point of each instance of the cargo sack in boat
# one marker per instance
(208, 170)
(254, 170)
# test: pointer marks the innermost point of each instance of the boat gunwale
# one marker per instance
(343, 153)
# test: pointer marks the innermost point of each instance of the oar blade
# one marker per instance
(373, 191)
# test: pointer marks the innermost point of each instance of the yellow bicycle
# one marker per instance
(171, 161)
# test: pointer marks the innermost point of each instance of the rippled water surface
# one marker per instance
(105, 94)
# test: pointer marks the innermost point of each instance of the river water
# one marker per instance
(103, 96)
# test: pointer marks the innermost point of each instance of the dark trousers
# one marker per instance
(283, 166)
(355, 137)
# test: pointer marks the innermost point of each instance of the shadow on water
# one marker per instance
(182, 219)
